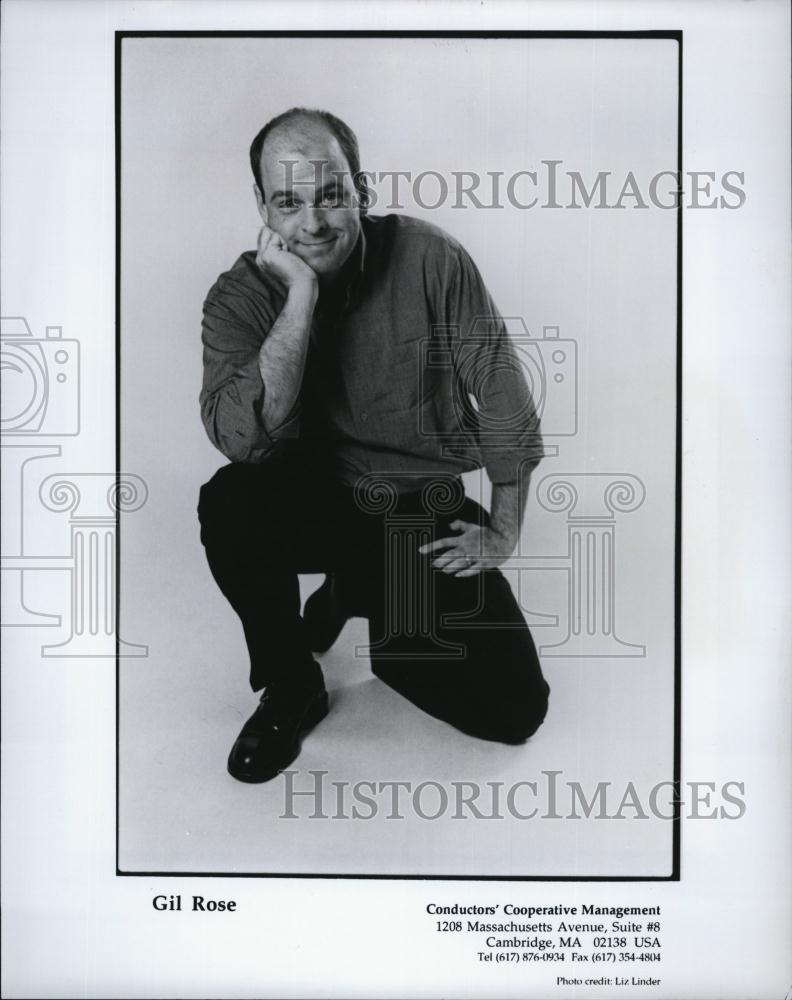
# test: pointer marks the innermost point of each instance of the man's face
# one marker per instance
(309, 198)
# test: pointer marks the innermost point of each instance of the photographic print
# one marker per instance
(469, 467)
(395, 523)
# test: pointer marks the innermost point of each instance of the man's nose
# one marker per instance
(313, 220)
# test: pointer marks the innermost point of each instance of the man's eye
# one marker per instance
(332, 201)
(287, 205)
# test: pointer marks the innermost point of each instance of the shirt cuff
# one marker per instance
(510, 467)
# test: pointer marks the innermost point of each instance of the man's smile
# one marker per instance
(313, 244)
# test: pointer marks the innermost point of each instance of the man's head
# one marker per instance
(309, 188)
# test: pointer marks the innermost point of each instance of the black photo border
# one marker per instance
(672, 35)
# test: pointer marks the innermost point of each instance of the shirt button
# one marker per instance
(364, 416)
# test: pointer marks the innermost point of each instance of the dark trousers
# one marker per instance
(458, 648)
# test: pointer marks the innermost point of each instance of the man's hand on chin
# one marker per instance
(275, 258)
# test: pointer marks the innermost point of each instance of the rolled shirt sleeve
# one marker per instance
(235, 324)
(500, 412)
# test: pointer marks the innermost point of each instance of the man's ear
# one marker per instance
(260, 204)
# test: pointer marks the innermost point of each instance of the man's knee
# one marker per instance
(525, 723)
(229, 483)
(516, 716)
(231, 502)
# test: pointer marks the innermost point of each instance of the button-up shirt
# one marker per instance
(409, 368)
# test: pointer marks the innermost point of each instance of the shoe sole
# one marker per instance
(311, 719)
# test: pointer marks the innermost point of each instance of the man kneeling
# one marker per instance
(354, 367)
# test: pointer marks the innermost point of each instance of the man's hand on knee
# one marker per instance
(474, 549)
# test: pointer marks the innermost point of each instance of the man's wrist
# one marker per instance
(508, 534)
(304, 292)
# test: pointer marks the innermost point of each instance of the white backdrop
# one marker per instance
(605, 278)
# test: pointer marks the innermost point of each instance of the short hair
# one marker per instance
(347, 140)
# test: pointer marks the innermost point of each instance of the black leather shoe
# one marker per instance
(272, 737)
(324, 616)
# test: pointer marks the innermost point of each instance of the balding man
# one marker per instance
(354, 367)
